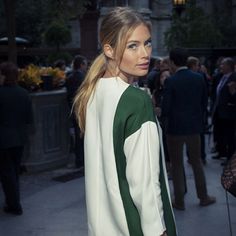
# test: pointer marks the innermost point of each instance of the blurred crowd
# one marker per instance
(190, 102)
(220, 84)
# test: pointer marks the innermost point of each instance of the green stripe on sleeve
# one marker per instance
(129, 117)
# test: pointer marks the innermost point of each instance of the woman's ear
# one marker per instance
(108, 51)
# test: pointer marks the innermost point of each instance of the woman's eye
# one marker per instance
(132, 46)
(148, 43)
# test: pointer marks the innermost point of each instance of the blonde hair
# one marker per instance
(115, 29)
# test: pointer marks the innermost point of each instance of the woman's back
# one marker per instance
(102, 197)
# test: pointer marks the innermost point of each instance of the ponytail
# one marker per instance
(86, 89)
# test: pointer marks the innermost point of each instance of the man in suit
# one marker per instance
(183, 105)
(193, 64)
(224, 111)
(16, 114)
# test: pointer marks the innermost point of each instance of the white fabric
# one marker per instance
(103, 197)
(102, 190)
(142, 153)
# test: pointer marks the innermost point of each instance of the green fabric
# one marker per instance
(134, 109)
(129, 117)
(167, 209)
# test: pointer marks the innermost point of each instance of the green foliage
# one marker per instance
(30, 16)
(194, 29)
(59, 12)
(33, 17)
(57, 34)
(64, 9)
(223, 19)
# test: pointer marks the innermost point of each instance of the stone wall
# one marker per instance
(48, 143)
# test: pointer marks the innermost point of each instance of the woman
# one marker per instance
(122, 162)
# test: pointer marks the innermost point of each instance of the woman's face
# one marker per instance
(136, 57)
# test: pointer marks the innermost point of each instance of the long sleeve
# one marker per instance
(139, 166)
(142, 171)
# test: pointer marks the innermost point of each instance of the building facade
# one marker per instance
(159, 12)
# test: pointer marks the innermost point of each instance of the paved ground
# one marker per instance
(53, 208)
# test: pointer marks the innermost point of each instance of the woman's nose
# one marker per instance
(145, 52)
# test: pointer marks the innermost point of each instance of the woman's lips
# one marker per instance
(143, 66)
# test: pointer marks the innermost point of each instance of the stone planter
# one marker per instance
(48, 143)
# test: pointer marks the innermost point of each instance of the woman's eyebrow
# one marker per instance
(133, 41)
(137, 41)
(149, 39)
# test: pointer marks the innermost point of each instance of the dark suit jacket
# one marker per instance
(15, 115)
(184, 103)
(226, 106)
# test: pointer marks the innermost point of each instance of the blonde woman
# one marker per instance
(126, 188)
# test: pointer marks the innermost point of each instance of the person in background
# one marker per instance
(73, 82)
(153, 75)
(224, 111)
(183, 110)
(16, 115)
(61, 64)
(157, 98)
(158, 92)
(165, 64)
(125, 179)
(61, 67)
(193, 64)
(216, 76)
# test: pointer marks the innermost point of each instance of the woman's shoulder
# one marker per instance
(134, 109)
(136, 100)
(136, 95)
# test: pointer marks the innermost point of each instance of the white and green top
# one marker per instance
(126, 190)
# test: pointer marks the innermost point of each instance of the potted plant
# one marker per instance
(34, 78)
